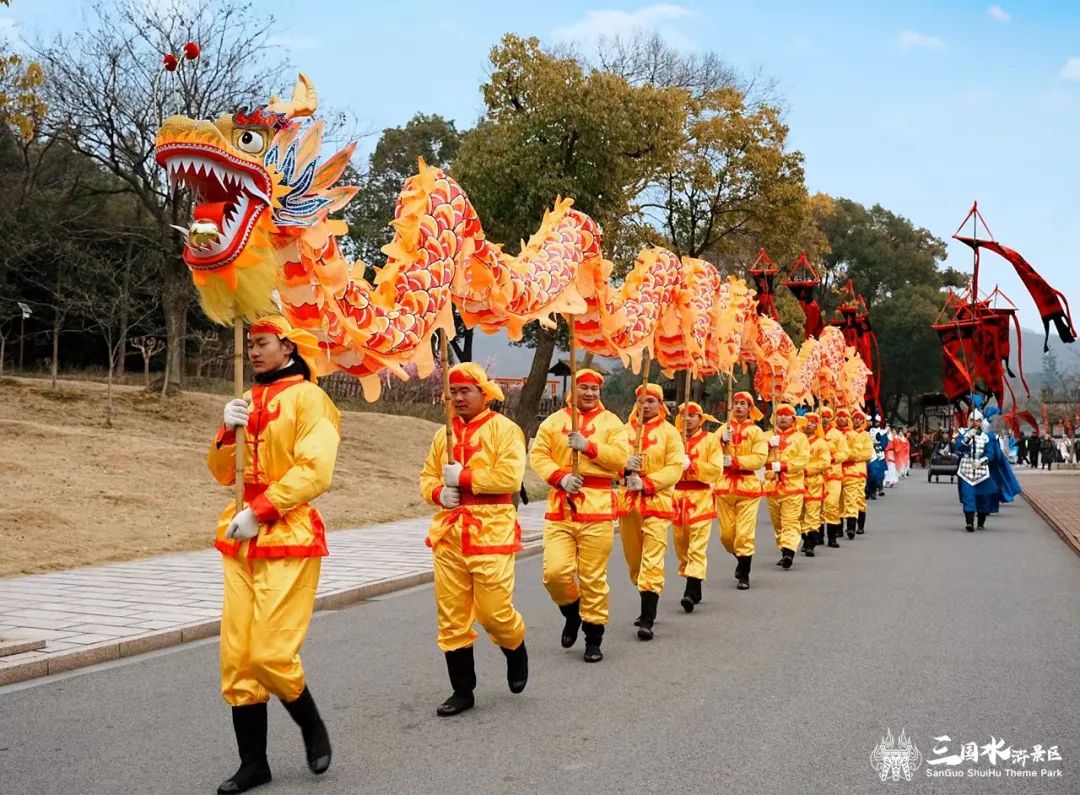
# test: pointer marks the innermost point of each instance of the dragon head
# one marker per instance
(256, 191)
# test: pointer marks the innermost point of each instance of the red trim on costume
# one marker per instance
(263, 509)
(436, 493)
(557, 476)
(467, 498)
(225, 436)
(691, 485)
(465, 480)
(591, 451)
(648, 487)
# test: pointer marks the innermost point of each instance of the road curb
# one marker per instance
(1071, 541)
(200, 630)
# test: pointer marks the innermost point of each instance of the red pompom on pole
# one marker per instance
(170, 62)
(191, 51)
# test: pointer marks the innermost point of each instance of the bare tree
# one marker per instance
(107, 95)
(149, 347)
(110, 298)
(209, 347)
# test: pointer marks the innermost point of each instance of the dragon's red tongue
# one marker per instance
(214, 212)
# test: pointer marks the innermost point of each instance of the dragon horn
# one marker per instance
(302, 103)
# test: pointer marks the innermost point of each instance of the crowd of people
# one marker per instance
(656, 480)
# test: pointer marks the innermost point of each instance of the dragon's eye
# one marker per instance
(250, 141)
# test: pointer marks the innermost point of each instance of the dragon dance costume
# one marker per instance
(645, 513)
(860, 450)
(579, 527)
(816, 469)
(473, 542)
(834, 477)
(785, 483)
(739, 489)
(695, 504)
(291, 443)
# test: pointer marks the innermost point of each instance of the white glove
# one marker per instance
(451, 473)
(983, 461)
(571, 484)
(727, 462)
(633, 463)
(633, 482)
(969, 434)
(774, 441)
(776, 466)
(725, 437)
(685, 462)
(577, 441)
(449, 497)
(236, 413)
(243, 525)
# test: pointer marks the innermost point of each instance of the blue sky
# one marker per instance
(920, 106)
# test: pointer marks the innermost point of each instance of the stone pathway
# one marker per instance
(1055, 496)
(99, 613)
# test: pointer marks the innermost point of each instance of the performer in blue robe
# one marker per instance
(984, 478)
(876, 466)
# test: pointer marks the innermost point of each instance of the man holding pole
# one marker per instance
(745, 447)
(579, 522)
(272, 549)
(816, 469)
(648, 498)
(695, 503)
(834, 476)
(475, 534)
(860, 450)
(785, 481)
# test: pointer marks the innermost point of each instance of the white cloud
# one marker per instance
(1071, 70)
(661, 18)
(999, 13)
(1057, 99)
(294, 42)
(910, 40)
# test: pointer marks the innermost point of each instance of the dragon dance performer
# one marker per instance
(648, 499)
(579, 525)
(475, 534)
(985, 479)
(785, 481)
(272, 550)
(695, 504)
(860, 450)
(834, 477)
(877, 467)
(745, 448)
(816, 469)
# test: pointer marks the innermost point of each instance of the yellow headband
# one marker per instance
(307, 347)
(470, 373)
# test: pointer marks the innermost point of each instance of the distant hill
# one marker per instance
(1068, 359)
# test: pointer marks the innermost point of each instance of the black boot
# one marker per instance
(788, 557)
(249, 725)
(594, 636)
(649, 600)
(572, 614)
(316, 740)
(809, 542)
(742, 572)
(834, 533)
(462, 670)
(517, 667)
(850, 521)
(969, 521)
(692, 594)
(860, 526)
(982, 521)
(820, 536)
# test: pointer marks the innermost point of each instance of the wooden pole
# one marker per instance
(575, 457)
(22, 328)
(444, 358)
(238, 391)
(730, 393)
(686, 405)
(646, 363)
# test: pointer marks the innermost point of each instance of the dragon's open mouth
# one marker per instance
(230, 194)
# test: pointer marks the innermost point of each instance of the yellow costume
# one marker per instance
(816, 469)
(787, 487)
(644, 515)
(579, 528)
(473, 542)
(695, 502)
(291, 443)
(739, 489)
(834, 475)
(860, 450)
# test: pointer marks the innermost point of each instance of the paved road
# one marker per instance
(785, 688)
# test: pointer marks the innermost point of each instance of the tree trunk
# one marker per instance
(146, 369)
(108, 390)
(175, 299)
(3, 345)
(529, 399)
(55, 350)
